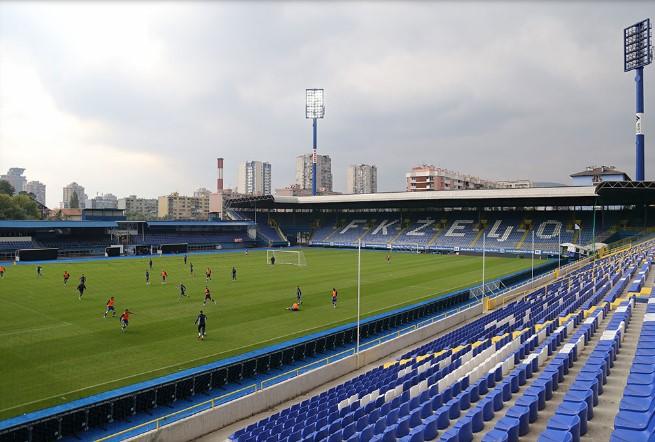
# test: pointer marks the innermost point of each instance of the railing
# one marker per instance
(157, 423)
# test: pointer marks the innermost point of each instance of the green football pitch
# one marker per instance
(56, 348)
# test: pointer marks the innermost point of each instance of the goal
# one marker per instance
(293, 257)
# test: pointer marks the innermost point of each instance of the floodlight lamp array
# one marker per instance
(637, 45)
(314, 103)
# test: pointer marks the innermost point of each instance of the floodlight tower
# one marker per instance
(314, 109)
(637, 53)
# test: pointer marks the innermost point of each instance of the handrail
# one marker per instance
(158, 421)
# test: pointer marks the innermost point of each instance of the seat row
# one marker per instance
(635, 420)
(409, 396)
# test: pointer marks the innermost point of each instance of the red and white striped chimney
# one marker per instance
(219, 181)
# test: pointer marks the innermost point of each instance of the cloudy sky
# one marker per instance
(140, 98)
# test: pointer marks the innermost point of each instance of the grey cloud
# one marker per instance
(503, 90)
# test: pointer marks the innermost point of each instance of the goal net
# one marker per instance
(293, 257)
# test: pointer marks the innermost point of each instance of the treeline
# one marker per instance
(21, 206)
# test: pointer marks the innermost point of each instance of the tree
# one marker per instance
(6, 188)
(18, 207)
(74, 202)
(27, 206)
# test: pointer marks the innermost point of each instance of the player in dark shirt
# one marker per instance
(182, 290)
(150, 263)
(185, 258)
(82, 279)
(234, 274)
(201, 321)
(80, 288)
(147, 277)
(191, 268)
(298, 295)
(39, 271)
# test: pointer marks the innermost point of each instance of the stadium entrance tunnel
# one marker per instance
(103, 410)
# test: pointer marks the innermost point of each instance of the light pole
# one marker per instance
(314, 109)
(559, 249)
(593, 247)
(484, 244)
(637, 53)
(532, 262)
(359, 280)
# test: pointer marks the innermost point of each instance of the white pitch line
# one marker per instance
(212, 355)
(158, 369)
(301, 332)
(29, 309)
(31, 330)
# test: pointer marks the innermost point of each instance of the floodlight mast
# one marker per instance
(637, 53)
(314, 109)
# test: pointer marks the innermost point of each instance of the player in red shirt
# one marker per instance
(208, 297)
(125, 318)
(110, 307)
(164, 275)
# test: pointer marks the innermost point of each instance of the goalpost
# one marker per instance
(293, 257)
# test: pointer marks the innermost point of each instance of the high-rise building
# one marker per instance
(74, 188)
(16, 178)
(36, 188)
(428, 177)
(323, 172)
(361, 178)
(176, 206)
(254, 178)
(106, 201)
(138, 207)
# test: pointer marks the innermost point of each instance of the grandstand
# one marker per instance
(510, 221)
(89, 237)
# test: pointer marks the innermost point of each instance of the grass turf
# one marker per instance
(56, 348)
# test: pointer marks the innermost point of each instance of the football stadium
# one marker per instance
(452, 318)
(474, 311)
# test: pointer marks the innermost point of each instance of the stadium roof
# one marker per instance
(38, 224)
(174, 223)
(615, 193)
